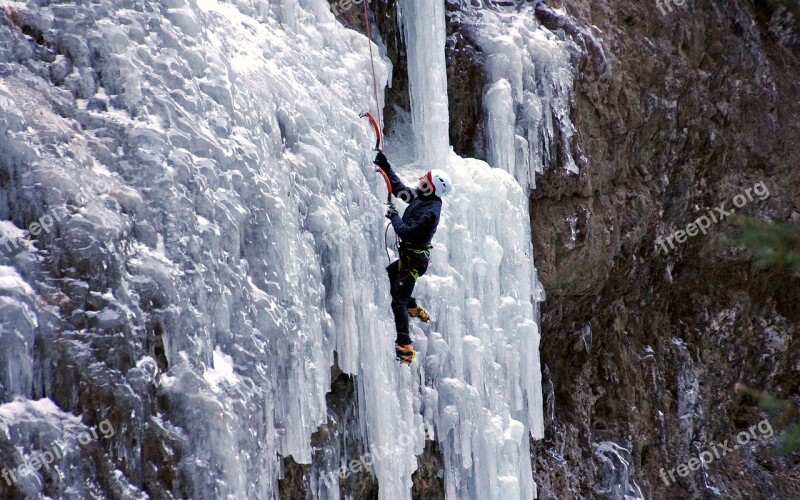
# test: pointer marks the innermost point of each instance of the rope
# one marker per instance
(378, 110)
(380, 118)
(386, 241)
(372, 60)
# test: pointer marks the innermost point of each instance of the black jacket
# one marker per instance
(419, 222)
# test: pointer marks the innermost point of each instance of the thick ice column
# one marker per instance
(501, 120)
(424, 29)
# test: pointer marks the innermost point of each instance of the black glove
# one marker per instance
(391, 212)
(382, 162)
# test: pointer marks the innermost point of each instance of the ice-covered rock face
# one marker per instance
(213, 234)
(530, 78)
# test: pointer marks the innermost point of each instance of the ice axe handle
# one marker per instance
(375, 127)
(388, 184)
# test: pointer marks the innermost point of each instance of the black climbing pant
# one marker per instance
(403, 274)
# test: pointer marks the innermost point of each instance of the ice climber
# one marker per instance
(415, 230)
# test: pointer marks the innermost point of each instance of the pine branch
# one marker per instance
(785, 413)
(773, 245)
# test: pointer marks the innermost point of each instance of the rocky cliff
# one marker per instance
(699, 105)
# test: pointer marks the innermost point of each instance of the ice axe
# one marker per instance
(378, 144)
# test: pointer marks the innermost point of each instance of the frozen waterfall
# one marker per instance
(221, 235)
(485, 392)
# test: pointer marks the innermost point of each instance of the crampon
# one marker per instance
(405, 353)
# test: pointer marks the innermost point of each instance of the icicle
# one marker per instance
(424, 27)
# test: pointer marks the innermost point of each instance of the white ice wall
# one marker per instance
(218, 183)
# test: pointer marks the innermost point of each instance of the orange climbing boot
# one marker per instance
(405, 353)
(419, 312)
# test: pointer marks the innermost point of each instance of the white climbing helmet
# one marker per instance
(442, 185)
